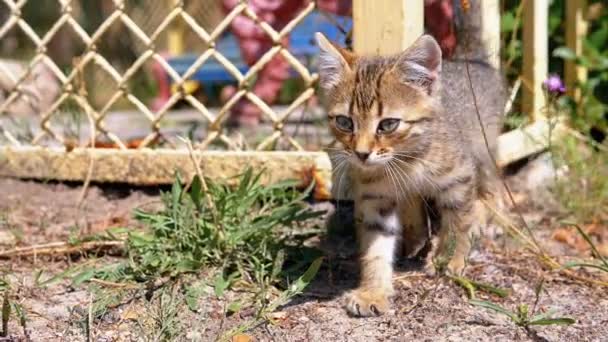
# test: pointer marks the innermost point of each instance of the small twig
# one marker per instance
(59, 248)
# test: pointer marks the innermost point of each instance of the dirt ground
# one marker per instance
(38, 213)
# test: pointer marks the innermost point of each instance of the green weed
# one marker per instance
(10, 308)
(241, 230)
(522, 316)
(471, 287)
(583, 192)
(248, 234)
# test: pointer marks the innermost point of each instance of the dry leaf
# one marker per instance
(598, 233)
(242, 338)
(129, 314)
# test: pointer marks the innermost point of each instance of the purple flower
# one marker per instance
(554, 84)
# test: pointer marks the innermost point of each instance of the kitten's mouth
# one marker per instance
(371, 165)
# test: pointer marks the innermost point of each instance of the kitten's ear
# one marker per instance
(420, 64)
(333, 62)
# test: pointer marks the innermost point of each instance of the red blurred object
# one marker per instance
(439, 20)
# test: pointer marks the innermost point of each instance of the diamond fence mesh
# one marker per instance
(80, 74)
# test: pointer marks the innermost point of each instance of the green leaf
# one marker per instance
(233, 307)
(193, 293)
(307, 277)
(220, 284)
(564, 53)
(83, 276)
(507, 22)
(500, 292)
(176, 193)
(494, 307)
(544, 315)
(553, 321)
(196, 191)
(572, 264)
(467, 285)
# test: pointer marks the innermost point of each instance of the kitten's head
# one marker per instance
(380, 108)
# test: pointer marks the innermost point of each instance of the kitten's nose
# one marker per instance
(362, 155)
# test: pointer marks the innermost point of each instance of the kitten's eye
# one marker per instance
(344, 123)
(388, 126)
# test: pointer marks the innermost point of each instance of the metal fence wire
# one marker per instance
(45, 102)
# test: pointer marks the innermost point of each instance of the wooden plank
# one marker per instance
(535, 58)
(490, 30)
(152, 167)
(576, 29)
(523, 142)
(386, 26)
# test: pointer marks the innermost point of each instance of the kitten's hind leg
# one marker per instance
(416, 226)
(454, 240)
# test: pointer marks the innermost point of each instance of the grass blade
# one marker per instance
(553, 321)
(596, 253)
(494, 307)
(584, 264)
(6, 314)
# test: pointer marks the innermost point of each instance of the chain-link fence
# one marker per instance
(84, 74)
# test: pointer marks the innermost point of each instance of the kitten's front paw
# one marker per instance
(368, 302)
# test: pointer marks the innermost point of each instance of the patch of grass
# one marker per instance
(248, 234)
(10, 308)
(244, 230)
(165, 324)
(583, 191)
(522, 316)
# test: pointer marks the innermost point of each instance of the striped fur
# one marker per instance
(431, 161)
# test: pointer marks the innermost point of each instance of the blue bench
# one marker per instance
(301, 44)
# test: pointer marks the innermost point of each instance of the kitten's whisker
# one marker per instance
(389, 172)
(403, 184)
(399, 180)
(423, 175)
(424, 161)
(417, 190)
(339, 189)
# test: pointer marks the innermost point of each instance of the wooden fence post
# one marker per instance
(176, 32)
(576, 29)
(535, 46)
(386, 26)
(490, 30)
